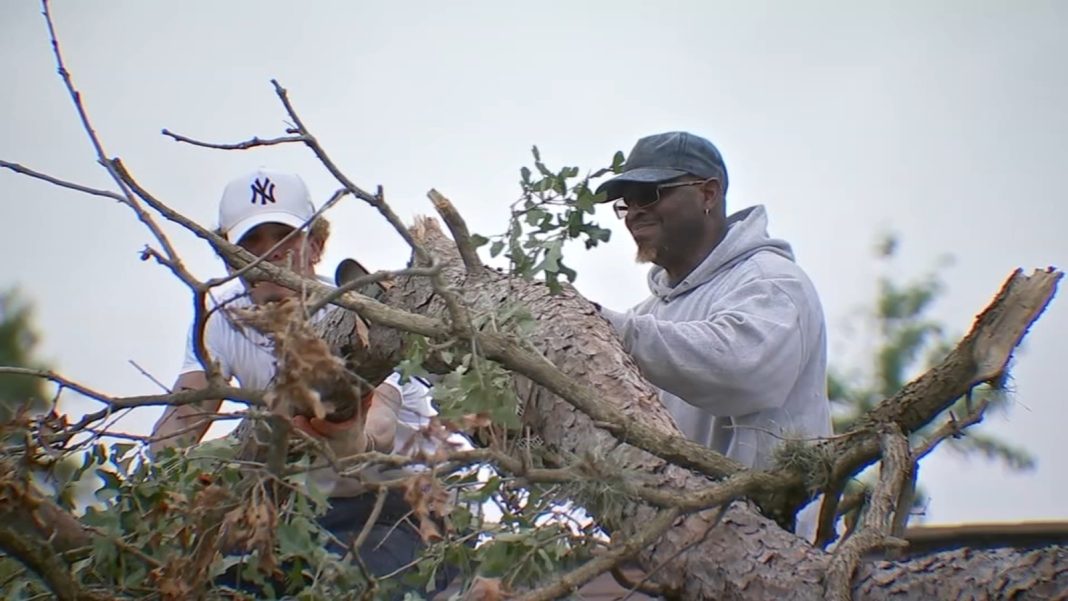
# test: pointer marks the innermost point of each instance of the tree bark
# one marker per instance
(736, 553)
(744, 555)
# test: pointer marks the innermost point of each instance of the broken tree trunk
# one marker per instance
(739, 554)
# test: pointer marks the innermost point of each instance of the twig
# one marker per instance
(365, 306)
(638, 586)
(904, 501)
(380, 502)
(252, 397)
(828, 517)
(62, 183)
(149, 376)
(370, 278)
(461, 323)
(247, 144)
(127, 198)
(102, 156)
(460, 234)
(334, 198)
(952, 428)
(875, 529)
(574, 579)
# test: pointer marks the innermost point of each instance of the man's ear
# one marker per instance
(316, 246)
(712, 191)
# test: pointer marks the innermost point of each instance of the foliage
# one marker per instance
(552, 210)
(18, 341)
(202, 524)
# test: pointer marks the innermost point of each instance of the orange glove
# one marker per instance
(338, 435)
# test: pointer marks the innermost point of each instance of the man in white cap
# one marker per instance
(257, 212)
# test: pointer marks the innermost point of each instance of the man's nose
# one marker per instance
(280, 254)
(633, 212)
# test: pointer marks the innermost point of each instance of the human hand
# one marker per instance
(344, 437)
(321, 428)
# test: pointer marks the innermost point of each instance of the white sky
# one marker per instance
(944, 123)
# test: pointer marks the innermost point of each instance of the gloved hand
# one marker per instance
(373, 429)
(344, 438)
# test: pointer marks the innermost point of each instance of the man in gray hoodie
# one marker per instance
(733, 334)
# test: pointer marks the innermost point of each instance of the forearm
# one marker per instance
(730, 365)
(381, 428)
(182, 426)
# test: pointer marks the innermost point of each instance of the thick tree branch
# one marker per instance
(876, 525)
(37, 556)
(460, 234)
(981, 356)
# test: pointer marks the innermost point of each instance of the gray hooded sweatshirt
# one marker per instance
(738, 348)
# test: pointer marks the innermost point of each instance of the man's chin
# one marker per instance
(273, 294)
(646, 254)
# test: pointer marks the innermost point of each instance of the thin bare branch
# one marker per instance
(255, 142)
(380, 502)
(460, 320)
(152, 378)
(636, 586)
(371, 278)
(826, 530)
(953, 428)
(365, 306)
(249, 396)
(334, 198)
(62, 183)
(102, 156)
(644, 584)
(574, 579)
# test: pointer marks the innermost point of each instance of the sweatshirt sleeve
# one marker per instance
(743, 358)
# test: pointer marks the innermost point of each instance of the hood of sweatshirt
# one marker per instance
(747, 234)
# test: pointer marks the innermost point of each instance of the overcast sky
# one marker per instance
(944, 122)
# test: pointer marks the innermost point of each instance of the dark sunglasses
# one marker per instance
(644, 197)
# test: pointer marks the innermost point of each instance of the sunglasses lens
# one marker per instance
(641, 197)
(620, 208)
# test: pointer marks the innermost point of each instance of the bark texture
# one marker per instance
(743, 555)
(610, 423)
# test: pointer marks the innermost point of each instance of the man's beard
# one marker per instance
(660, 251)
(646, 254)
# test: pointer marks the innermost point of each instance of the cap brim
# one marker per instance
(239, 229)
(641, 175)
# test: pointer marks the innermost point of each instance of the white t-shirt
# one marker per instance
(245, 354)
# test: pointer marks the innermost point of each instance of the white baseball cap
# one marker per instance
(263, 196)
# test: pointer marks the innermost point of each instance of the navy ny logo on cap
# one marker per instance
(263, 190)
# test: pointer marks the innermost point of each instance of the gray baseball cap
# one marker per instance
(663, 157)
